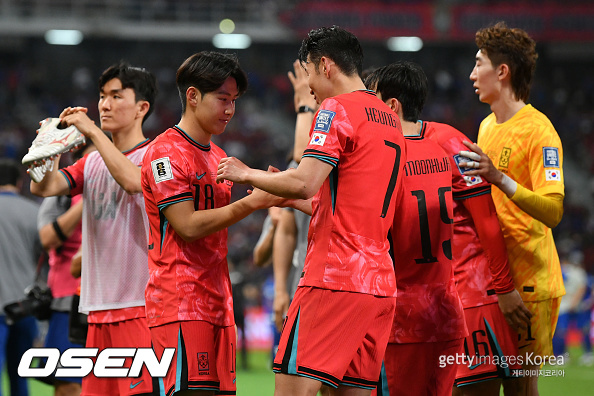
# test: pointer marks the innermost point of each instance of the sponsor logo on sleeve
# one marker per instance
(552, 174)
(550, 157)
(161, 169)
(324, 120)
(318, 138)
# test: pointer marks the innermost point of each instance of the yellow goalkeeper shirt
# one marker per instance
(528, 149)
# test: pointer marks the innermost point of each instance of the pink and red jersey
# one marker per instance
(348, 249)
(114, 229)
(188, 280)
(472, 268)
(428, 308)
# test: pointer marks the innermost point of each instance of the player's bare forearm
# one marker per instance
(303, 205)
(192, 224)
(76, 264)
(515, 312)
(285, 240)
(302, 127)
(52, 184)
(125, 173)
(302, 97)
(283, 184)
(67, 223)
(263, 249)
(300, 183)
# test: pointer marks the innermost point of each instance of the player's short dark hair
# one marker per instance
(207, 71)
(405, 81)
(142, 82)
(340, 45)
(513, 47)
(10, 172)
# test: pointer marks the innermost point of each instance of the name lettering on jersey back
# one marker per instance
(427, 166)
(382, 117)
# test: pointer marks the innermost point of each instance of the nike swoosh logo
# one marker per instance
(201, 176)
(474, 366)
(132, 386)
(523, 346)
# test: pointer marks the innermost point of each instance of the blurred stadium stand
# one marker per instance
(37, 79)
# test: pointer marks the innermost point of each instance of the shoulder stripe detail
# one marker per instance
(190, 140)
(187, 196)
(321, 156)
(69, 178)
(328, 161)
(475, 192)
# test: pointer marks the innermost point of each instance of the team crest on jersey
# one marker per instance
(504, 158)
(203, 364)
(161, 169)
(318, 138)
(470, 180)
(550, 157)
(324, 120)
(552, 174)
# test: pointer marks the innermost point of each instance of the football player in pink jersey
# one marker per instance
(188, 296)
(479, 261)
(338, 323)
(115, 226)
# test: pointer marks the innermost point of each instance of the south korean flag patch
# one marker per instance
(552, 175)
(318, 139)
(161, 169)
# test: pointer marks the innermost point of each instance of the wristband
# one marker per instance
(59, 231)
(305, 109)
(508, 185)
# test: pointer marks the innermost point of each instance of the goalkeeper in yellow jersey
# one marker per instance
(520, 153)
